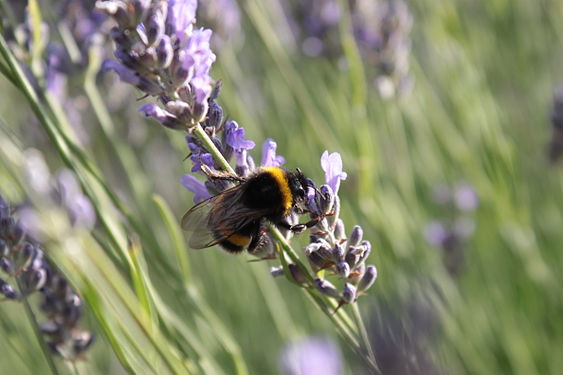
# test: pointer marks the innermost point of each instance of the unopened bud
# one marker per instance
(343, 269)
(325, 199)
(339, 229)
(368, 279)
(357, 273)
(349, 293)
(326, 288)
(276, 271)
(297, 274)
(338, 253)
(355, 236)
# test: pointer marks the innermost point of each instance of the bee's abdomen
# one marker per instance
(238, 241)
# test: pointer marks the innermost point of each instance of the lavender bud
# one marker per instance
(7, 290)
(181, 110)
(352, 259)
(4, 248)
(325, 199)
(355, 236)
(154, 24)
(164, 52)
(349, 293)
(200, 109)
(339, 229)
(276, 271)
(316, 261)
(366, 250)
(214, 115)
(7, 266)
(25, 256)
(325, 252)
(343, 269)
(326, 288)
(82, 342)
(338, 253)
(149, 58)
(50, 328)
(368, 279)
(33, 280)
(297, 274)
(357, 273)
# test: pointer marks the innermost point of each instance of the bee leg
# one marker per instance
(261, 245)
(214, 175)
(298, 228)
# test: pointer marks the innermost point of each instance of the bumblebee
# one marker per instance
(234, 219)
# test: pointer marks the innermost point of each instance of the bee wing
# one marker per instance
(196, 223)
(222, 214)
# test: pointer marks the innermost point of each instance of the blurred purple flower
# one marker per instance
(195, 186)
(435, 233)
(465, 198)
(332, 166)
(55, 79)
(269, 158)
(311, 356)
(79, 207)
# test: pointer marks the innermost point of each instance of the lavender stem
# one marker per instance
(33, 320)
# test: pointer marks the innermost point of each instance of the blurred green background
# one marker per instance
(478, 112)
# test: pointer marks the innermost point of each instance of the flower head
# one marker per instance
(332, 166)
(269, 157)
(165, 57)
(235, 137)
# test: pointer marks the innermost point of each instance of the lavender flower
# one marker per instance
(381, 30)
(311, 356)
(25, 262)
(159, 51)
(63, 191)
(269, 157)
(332, 166)
(452, 232)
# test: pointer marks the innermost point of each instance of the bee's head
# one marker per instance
(298, 184)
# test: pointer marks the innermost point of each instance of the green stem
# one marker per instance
(365, 338)
(210, 146)
(33, 320)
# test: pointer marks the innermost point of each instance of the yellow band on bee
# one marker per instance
(281, 179)
(239, 240)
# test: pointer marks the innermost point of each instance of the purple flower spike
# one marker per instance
(235, 137)
(269, 158)
(314, 355)
(332, 166)
(181, 16)
(199, 49)
(195, 186)
(162, 116)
